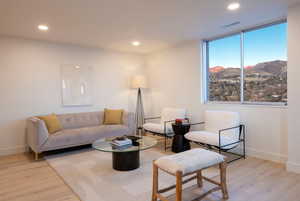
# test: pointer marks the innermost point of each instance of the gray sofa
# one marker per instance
(78, 129)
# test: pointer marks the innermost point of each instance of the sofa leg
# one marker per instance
(36, 156)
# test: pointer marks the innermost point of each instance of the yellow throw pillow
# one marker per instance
(52, 123)
(113, 116)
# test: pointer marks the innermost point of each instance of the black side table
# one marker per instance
(180, 144)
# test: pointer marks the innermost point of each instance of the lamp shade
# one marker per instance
(138, 81)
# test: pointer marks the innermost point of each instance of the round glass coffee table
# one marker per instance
(128, 158)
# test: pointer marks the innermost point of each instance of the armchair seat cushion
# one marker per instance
(158, 128)
(211, 138)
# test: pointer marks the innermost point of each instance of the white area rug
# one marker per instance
(89, 173)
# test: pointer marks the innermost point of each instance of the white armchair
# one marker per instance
(222, 130)
(164, 127)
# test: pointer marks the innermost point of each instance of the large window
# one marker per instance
(248, 67)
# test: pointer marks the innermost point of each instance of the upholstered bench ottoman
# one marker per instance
(188, 163)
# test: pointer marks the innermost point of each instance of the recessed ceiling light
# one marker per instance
(233, 6)
(43, 27)
(77, 67)
(136, 43)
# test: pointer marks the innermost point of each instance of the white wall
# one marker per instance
(30, 83)
(175, 81)
(294, 89)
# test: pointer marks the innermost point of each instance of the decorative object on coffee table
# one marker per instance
(128, 158)
(134, 139)
(179, 143)
(121, 142)
(139, 82)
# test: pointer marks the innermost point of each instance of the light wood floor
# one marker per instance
(22, 179)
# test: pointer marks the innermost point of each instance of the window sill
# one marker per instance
(257, 105)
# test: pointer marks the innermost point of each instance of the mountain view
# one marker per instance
(264, 82)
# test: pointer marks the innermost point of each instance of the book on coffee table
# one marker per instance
(121, 142)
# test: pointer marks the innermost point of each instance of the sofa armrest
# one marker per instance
(37, 133)
(129, 121)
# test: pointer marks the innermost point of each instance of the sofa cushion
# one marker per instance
(80, 136)
(113, 116)
(79, 120)
(52, 123)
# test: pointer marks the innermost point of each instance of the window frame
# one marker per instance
(205, 68)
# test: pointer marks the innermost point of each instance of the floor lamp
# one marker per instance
(139, 82)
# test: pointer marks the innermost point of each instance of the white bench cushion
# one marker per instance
(210, 138)
(189, 161)
(158, 128)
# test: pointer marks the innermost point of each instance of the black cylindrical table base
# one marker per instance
(179, 143)
(125, 161)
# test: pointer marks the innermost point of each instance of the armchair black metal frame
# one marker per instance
(222, 148)
(166, 135)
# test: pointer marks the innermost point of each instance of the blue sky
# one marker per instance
(260, 45)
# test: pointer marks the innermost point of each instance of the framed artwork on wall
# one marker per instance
(77, 85)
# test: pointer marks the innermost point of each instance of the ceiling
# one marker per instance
(113, 24)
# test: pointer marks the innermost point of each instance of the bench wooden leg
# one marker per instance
(157, 194)
(199, 179)
(155, 183)
(223, 167)
(179, 186)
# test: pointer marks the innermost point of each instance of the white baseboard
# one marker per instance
(293, 167)
(278, 158)
(12, 150)
(250, 152)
